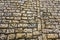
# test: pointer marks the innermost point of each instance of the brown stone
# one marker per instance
(20, 35)
(29, 35)
(11, 36)
(52, 35)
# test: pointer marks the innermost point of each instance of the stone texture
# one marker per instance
(52, 35)
(29, 19)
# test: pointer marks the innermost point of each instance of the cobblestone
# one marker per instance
(29, 19)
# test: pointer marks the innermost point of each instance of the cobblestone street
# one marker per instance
(29, 19)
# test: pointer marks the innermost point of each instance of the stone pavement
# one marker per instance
(29, 19)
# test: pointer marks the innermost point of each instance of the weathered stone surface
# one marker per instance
(36, 33)
(27, 30)
(20, 35)
(29, 35)
(10, 31)
(11, 36)
(3, 25)
(52, 35)
(29, 19)
(18, 30)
